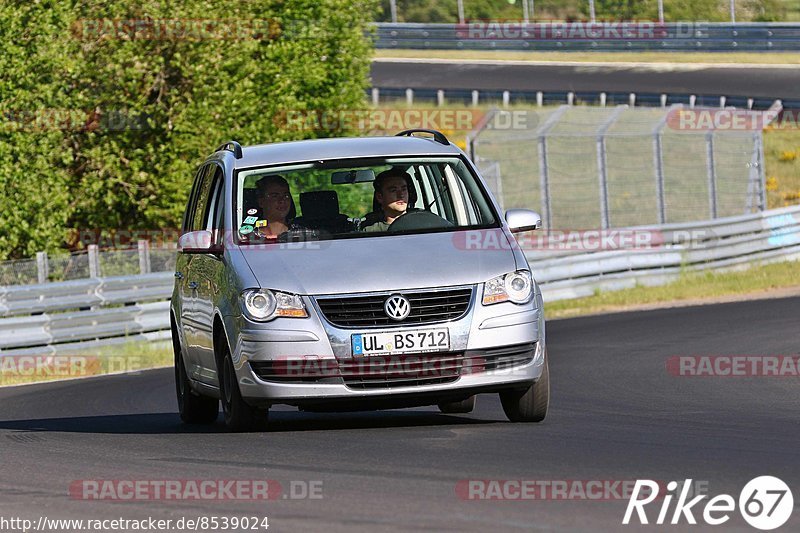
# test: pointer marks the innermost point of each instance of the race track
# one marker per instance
(767, 82)
(616, 414)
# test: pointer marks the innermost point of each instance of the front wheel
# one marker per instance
(193, 408)
(239, 415)
(529, 405)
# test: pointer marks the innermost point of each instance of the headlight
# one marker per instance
(263, 304)
(516, 287)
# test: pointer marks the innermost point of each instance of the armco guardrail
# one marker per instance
(516, 35)
(68, 316)
(71, 315)
(719, 244)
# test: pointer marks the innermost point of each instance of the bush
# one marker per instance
(143, 112)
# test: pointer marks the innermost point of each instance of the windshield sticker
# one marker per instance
(261, 223)
(252, 211)
(244, 230)
(250, 220)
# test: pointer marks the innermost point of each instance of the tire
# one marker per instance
(193, 408)
(239, 415)
(464, 406)
(529, 405)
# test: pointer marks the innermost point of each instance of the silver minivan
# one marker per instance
(344, 300)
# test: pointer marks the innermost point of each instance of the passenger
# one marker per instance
(277, 206)
(391, 193)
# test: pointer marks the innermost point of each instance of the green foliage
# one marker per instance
(146, 111)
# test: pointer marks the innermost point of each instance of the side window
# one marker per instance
(199, 221)
(214, 220)
(190, 205)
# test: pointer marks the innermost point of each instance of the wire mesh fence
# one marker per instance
(87, 264)
(599, 167)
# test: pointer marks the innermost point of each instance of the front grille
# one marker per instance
(427, 307)
(411, 370)
(389, 371)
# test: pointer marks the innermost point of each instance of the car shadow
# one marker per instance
(279, 422)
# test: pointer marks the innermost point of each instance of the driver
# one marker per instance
(391, 192)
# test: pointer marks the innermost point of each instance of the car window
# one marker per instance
(215, 217)
(199, 219)
(192, 203)
(325, 200)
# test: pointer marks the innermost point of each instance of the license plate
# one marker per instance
(400, 342)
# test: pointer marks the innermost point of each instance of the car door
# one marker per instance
(191, 322)
(207, 272)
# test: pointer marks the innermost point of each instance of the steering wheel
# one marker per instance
(414, 220)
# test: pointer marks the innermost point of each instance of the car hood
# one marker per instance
(384, 263)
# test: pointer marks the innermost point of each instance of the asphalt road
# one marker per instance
(659, 78)
(616, 414)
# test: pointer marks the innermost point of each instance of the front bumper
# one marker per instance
(308, 362)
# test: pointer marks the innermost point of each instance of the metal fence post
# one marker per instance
(544, 178)
(42, 267)
(94, 261)
(602, 174)
(658, 165)
(376, 96)
(409, 97)
(144, 256)
(762, 175)
(712, 174)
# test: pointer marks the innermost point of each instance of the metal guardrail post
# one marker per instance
(94, 261)
(409, 97)
(376, 96)
(42, 267)
(712, 174)
(144, 256)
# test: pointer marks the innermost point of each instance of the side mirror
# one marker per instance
(198, 242)
(520, 220)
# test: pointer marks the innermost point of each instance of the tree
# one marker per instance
(154, 93)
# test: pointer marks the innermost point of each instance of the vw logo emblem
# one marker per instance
(397, 307)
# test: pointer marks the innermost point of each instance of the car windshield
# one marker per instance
(358, 198)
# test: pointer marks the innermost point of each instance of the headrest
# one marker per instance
(319, 204)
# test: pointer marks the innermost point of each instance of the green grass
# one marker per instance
(98, 361)
(691, 286)
(790, 58)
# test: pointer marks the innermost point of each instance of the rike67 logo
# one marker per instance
(765, 503)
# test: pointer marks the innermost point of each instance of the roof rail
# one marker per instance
(438, 136)
(231, 146)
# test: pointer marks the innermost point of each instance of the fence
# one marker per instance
(675, 37)
(92, 263)
(619, 167)
(72, 315)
